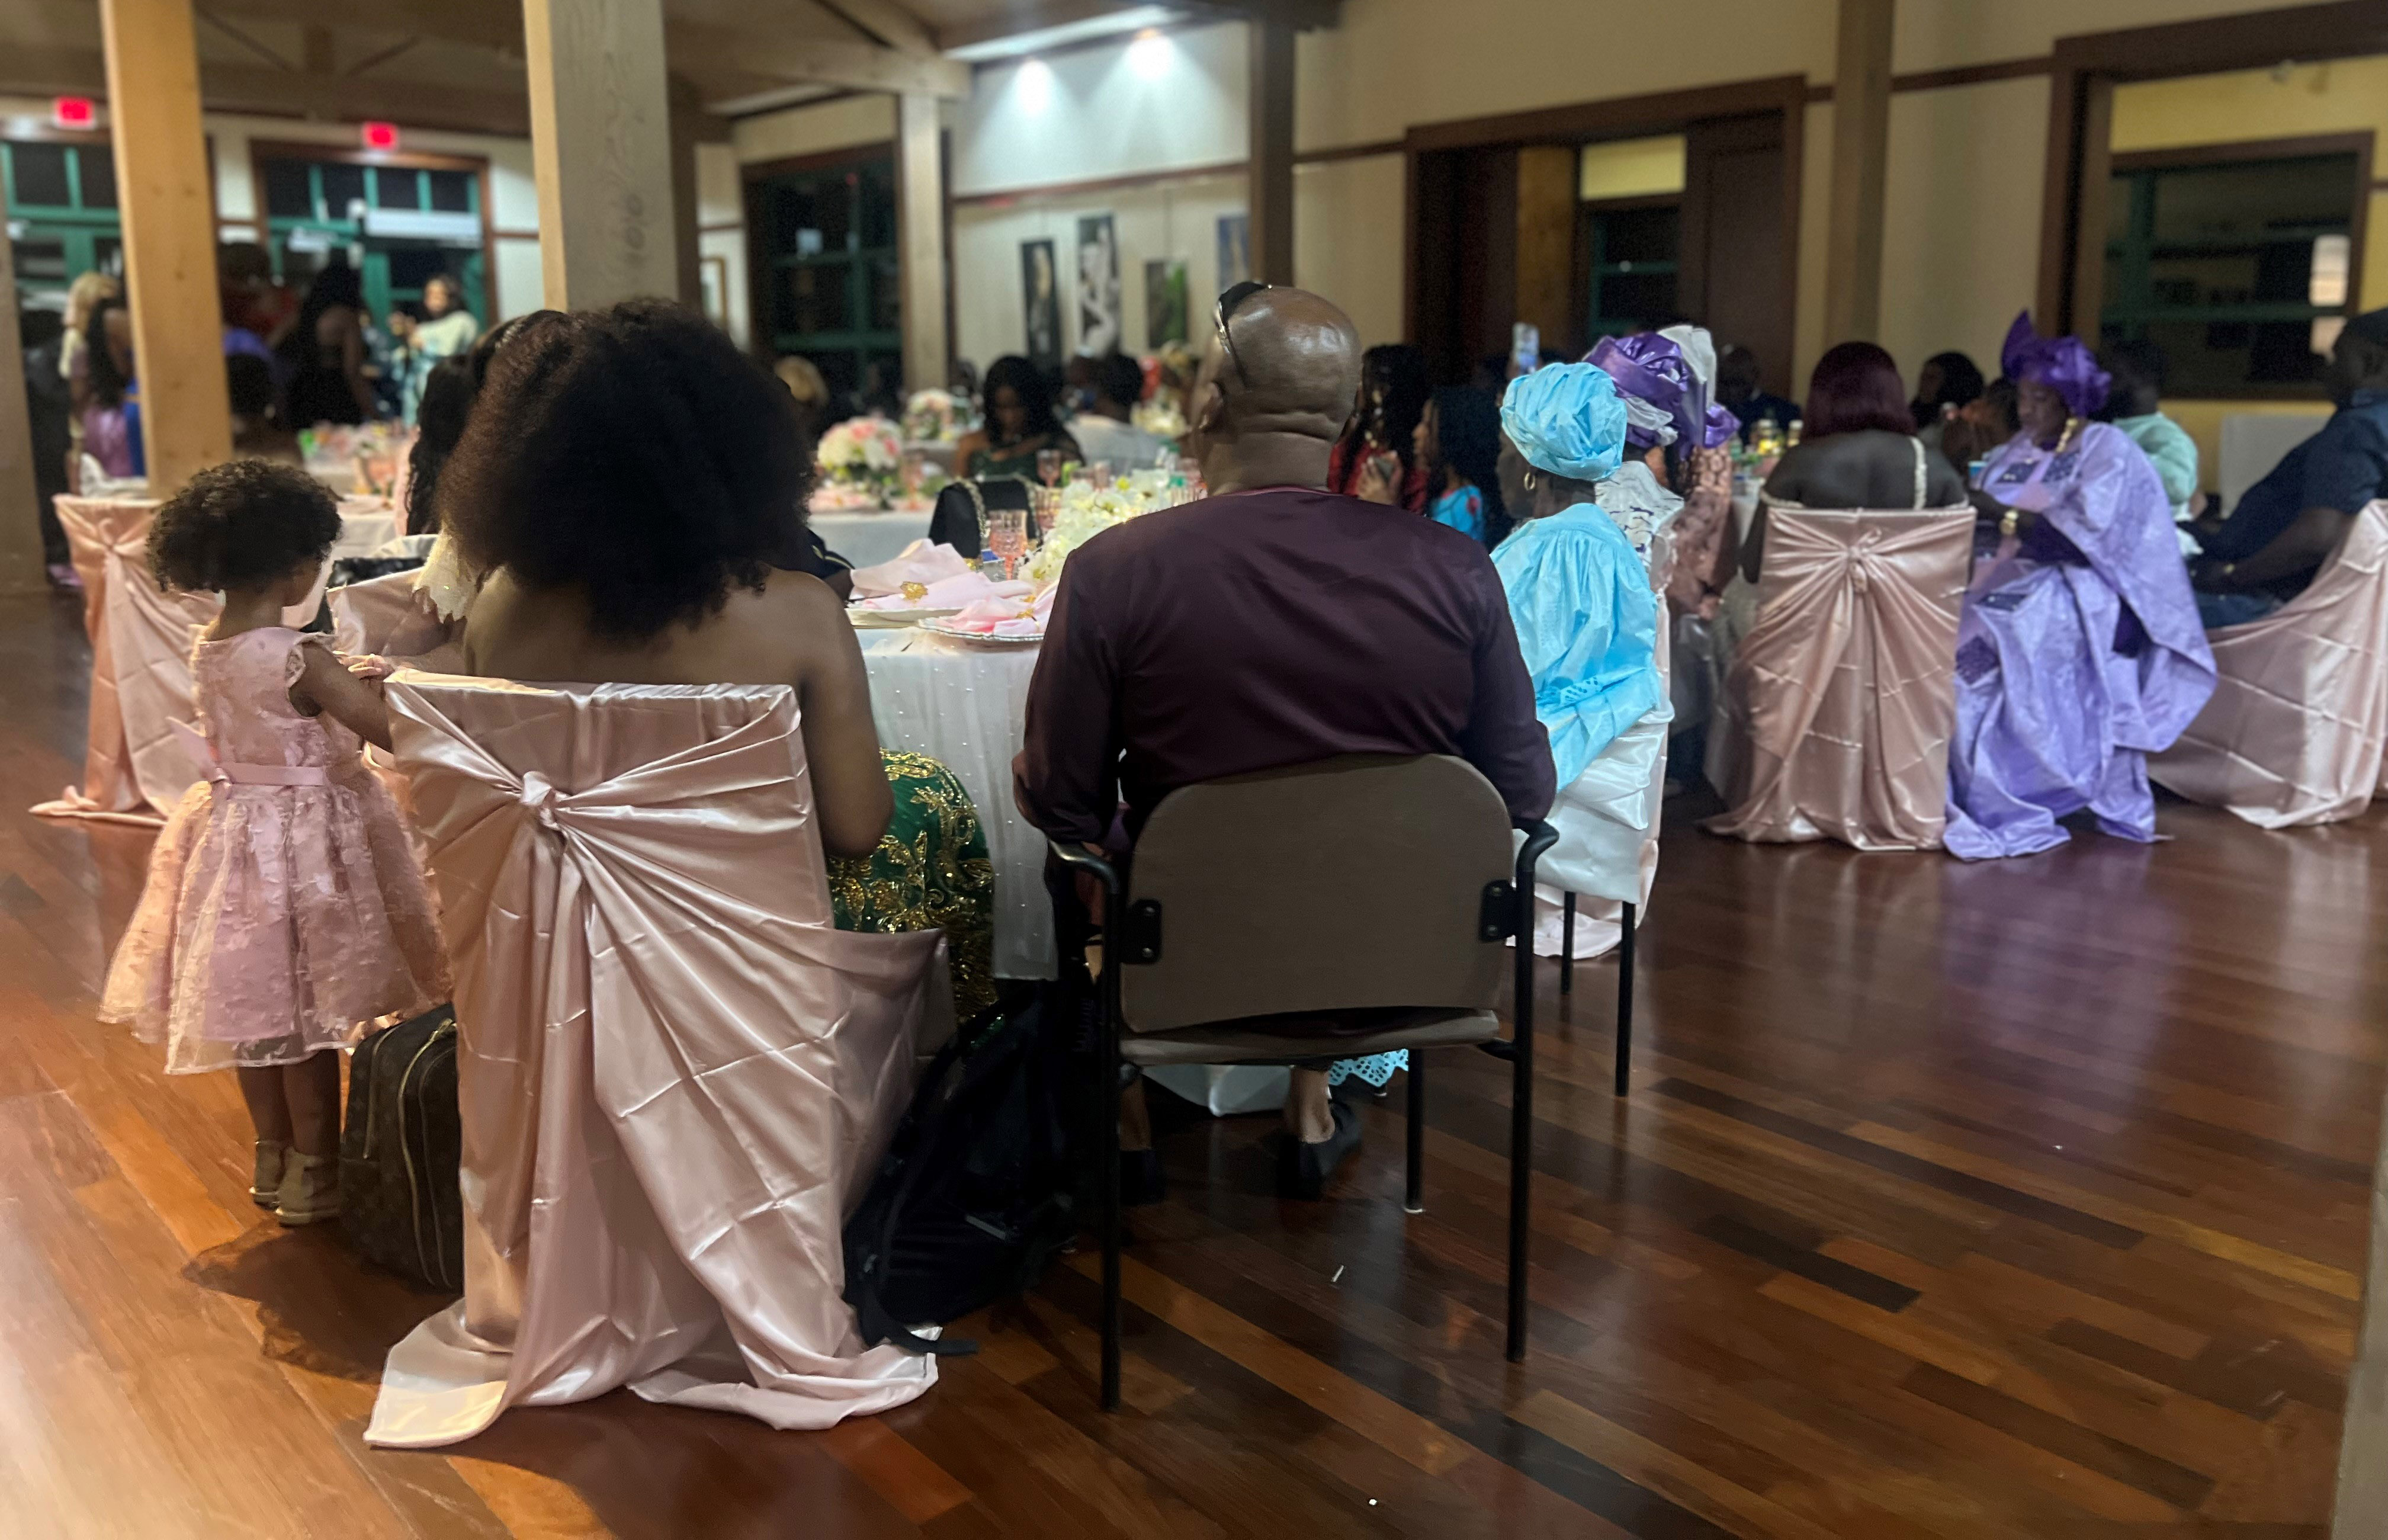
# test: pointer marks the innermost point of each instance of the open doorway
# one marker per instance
(1606, 217)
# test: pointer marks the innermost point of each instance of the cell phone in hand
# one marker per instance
(1526, 347)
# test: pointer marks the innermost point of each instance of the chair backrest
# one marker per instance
(1840, 701)
(363, 614)
(1351, 884)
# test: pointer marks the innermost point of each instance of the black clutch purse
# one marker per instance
(358, 569)
(960, 519)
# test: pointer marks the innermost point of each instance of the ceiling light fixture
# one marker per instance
(1150, 55)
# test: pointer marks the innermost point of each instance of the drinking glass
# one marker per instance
(1045, 506)
(1007, 536)
(1048, 466)
(1099, 472)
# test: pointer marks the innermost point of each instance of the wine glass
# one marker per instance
(1045, 506)
(1007, 536)
(1048, 466)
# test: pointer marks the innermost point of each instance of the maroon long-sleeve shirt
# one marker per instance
(1270, 627)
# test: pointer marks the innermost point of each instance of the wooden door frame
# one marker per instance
(2083, 72)
(1613, 118)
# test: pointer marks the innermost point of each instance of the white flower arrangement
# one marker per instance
(1086, 511)
(860, 449)
(1160, 417)
(933, 418)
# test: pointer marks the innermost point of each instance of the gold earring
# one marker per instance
(1529, 481)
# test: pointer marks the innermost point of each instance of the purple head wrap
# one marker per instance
(1667, 391)
(2063, 363)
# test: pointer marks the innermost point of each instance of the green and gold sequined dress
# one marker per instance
(930, 872)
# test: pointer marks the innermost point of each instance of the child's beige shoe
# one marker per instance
(265, 1186)
(310, 1189)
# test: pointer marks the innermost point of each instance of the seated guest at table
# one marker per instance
(1943, 387)
(2292, 521)
(1857, 450)
(2134, 404)
(625, 480)
(111, 415)
(1738, 392)
(2079, 652)
(1676, 478)
(1019, 424)
(1274, 623)
(1103, 431)
(1459, 443)
(1376, 455)
(1580, 595)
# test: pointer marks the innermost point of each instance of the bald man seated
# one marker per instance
(1272, 623)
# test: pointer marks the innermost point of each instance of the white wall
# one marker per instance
(1175, 104)
(1177, 219)
(720, 227)
(1348, 238)
(810, 130)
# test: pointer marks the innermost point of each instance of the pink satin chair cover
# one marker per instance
(2295, 730)
(676, 1075)
(134, 768)
(1840, 702)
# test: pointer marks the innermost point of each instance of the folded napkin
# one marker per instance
(959, 591)
(920, 563)
(1005, 614)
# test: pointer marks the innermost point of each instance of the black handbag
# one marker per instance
(402, 1151)
(960, 519)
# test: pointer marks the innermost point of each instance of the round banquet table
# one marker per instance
(966, 707)
(869, 538)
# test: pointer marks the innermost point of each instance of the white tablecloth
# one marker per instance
(366, 524)
(867, 540)
(965, 708)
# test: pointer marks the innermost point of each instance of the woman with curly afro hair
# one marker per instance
(625, 481)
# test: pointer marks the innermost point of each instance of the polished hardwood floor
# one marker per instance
(2016, 1200)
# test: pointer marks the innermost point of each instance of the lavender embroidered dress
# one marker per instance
(2079, 654)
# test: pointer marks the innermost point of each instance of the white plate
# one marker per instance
(890, 619)
(980, 638)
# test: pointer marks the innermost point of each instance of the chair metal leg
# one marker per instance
(1566, 946)
(1414, 1201)
(1521, 1122)
(1625, 1004)
(1110, 1059)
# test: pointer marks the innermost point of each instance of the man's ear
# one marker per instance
(1210, 411)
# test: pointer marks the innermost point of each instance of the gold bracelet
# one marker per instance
(2007, 524)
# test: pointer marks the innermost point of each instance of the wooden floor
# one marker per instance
(2022, 1199)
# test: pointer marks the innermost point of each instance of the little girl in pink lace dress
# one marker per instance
(283, 909)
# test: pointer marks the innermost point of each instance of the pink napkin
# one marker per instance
(952, 594)
(920, 563)
(999, 614)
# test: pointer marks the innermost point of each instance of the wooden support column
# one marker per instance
(20, 514)
(170, 237)
(2362, 1500)
(1271, 47)
(600, 145)
(920, 237)
(1861, 157)
(688, 125)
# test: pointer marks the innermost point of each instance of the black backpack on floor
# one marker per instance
(399, 1153)
(978, 1189)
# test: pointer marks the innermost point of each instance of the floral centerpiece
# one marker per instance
(1161, 416)
(1086, 511)
(934, 417)
(859, 460)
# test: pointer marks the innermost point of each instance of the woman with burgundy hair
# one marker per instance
(1858, 449)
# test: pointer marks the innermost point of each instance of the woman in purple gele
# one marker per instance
(2079, 652)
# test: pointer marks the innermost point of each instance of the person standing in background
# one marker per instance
(448, 330)
(2138, 368)
(1458, 440)
(51, 412)
(111, 409)
(326, 351)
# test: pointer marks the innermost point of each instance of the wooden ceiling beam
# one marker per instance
(486, 23)
(814, 61)
(887, 21)
(45, 71)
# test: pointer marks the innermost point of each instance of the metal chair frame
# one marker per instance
(1624, 983)
(1540, 838)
